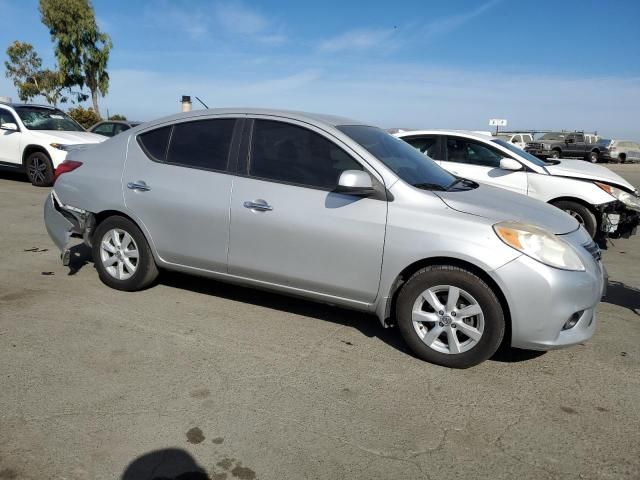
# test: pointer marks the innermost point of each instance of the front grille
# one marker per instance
(534, 146)
(593, 248)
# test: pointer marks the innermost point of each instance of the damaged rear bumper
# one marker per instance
(64, 222)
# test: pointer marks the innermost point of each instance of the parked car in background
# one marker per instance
(35, 139)
(625, 151)
(333, 210)
(602, 201)
(520, 140)
(109, 128)
(569, 145)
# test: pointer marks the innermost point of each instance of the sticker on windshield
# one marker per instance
(56, 116)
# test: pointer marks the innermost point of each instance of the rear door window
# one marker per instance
(291, 154)
(201, 144)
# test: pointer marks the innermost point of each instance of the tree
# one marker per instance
(84, 116)
(82, 50)
(24, 68)
(117, 116)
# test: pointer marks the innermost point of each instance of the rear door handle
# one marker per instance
(258, 205)
(140, 185)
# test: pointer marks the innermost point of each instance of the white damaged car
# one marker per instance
(604, 202)
(35, 139)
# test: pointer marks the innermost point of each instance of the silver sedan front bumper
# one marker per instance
(551, 308)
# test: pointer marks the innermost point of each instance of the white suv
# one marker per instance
(604, 202)
(35, 139)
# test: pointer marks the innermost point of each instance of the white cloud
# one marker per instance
(445, 25)
(361, 39)
(237, 18)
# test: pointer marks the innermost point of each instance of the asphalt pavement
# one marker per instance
(226, 382)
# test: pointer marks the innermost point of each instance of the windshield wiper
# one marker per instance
(430, 186)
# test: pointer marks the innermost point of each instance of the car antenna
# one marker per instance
(205, 105)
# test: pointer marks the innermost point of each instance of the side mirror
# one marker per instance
(10, 126)
(515, 140)
(355, 182)
(510, 164)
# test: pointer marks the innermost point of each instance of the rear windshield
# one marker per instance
(405, 161)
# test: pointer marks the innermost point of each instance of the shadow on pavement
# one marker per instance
(166, 464)
(623, 295)
(13, 175)
(365, 323)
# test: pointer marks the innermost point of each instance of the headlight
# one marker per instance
(629, 199)
(539, 244)
(61, 146)
(546, 146)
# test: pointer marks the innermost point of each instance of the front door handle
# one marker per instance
(140, 185)
(258, 205)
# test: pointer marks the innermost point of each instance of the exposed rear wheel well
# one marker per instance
(102, 216)
(622, 157)
(427, 262)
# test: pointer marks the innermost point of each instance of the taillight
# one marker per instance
(66, 167)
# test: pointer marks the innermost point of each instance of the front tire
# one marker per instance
(582, 214)
(555, 154)
(450, 316)
(40, 169)
(593, 157)
(122, 255)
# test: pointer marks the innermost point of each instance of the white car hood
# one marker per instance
(586, 170)
(67, 138)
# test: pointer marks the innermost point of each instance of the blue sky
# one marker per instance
(454, 64)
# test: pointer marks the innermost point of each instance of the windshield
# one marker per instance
(526, 155)
(405, 161)
(38, 118)
(552, 136)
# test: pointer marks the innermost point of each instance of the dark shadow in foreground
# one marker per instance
(623, 295)
(166, 464)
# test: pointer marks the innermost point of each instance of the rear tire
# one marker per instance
(40, 169)
(449, 316)
(122, 255)
(582, 214)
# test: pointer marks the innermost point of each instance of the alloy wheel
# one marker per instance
(37, 170)
(119, 254)
(448, 319)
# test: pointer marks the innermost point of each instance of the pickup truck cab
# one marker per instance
(569, 145)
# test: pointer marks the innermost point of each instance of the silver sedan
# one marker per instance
(336, 211)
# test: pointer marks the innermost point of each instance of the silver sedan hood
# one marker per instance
(499, 205)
